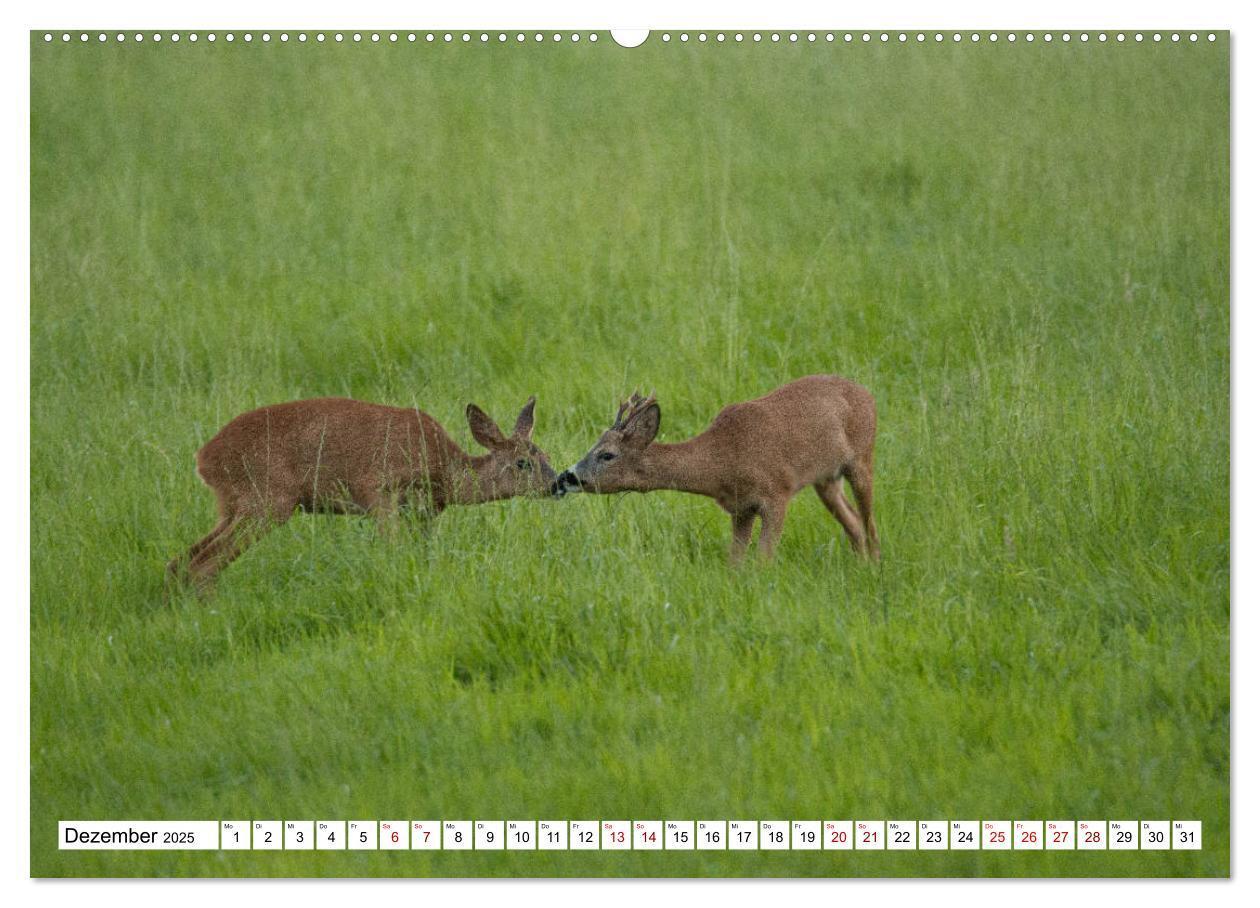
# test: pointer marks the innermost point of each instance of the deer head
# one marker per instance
(615, 464)
(514, 465)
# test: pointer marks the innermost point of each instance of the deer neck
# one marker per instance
(688, 466)
(468, 481)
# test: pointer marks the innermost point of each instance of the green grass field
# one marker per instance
(1021, 249)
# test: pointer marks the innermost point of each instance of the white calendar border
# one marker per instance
(1245, 386)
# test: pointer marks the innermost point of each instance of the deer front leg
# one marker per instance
(772, 514)
(421, 508)
(741, 534)
(385, 509)
(420, 519)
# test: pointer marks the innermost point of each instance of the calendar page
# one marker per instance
(708, 452)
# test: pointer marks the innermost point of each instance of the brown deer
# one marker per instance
(344, 456)
(754, 457)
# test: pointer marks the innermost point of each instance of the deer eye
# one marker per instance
(523, 464)
(606, 455)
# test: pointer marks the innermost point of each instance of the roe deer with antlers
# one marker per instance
(753, 458)
(348, 457)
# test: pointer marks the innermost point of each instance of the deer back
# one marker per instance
(303, 447)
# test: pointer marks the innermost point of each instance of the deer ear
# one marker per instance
(483, 428)
(641, 428)
(525, 422)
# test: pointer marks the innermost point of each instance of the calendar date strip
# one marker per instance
(631, 835)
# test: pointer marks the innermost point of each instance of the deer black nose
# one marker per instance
(564, 482)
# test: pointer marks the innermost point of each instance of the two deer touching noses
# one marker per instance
(344, 456)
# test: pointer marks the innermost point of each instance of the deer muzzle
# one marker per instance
(565, 483)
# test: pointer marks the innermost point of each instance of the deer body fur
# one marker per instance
(343, 456)
(752, 459)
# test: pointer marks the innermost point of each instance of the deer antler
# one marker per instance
(632, 407)
(621, 412)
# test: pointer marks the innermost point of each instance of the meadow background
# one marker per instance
(1021, 249)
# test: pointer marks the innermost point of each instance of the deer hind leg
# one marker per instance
(741, 534)
(862, 479)
(831, 492)
(217, 553)
(772, 514)
(242, 530)
(177, 567)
